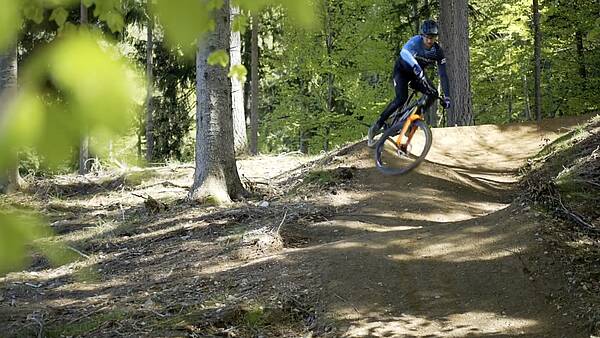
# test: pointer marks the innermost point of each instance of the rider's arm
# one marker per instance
(444, 77)
(407, 56)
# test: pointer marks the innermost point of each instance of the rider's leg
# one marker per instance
(401, 89)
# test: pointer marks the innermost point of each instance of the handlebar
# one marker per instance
(424, 98)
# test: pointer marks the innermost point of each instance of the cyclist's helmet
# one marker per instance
(429, 27)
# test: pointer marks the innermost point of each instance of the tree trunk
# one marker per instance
(537, 51)
(526, 109)
(326, 137)
(216, 177)
(510, 104)
(426, 9)
(455, 41)
(416, 19)
(580, 54)
(303, 148)
(330, 76)
(10, 180)
(150, 90)
(254, 87)
(84, 144)
(431, 113)
(240, 138)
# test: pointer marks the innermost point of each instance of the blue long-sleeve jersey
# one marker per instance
(414, 57)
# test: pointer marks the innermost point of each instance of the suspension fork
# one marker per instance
(411, 118)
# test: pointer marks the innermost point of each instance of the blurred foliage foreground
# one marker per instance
(80, 85)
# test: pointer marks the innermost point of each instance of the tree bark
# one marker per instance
(240, 137)
(329, 44)
(416, 18)
(216, 178)
(580, 54)
(150, 89)
(526, 109)
(431, 114)
(426, 9)
(454, 29)
(303, 146)
(10, 180)
(84, 144)
(537, 51)
(254, 87)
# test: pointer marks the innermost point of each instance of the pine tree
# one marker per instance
(216, 177)
(454, 37)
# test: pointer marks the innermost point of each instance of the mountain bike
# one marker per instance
(406, 138)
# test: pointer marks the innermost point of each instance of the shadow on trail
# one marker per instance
(436, 253)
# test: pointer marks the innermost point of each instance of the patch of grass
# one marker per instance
(211, 200)
(320, 177)
(330, 177)
(85, 326)
(137, 178)
(254, 316)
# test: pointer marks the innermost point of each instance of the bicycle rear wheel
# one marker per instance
(391, 160)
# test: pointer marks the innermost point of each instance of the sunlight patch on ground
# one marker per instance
(474, 324)
(54, 273)
(371, 227)
(232, 266)
(82, 235)
(93, 288)
(465, 251)
(460, 212)
(157, 233)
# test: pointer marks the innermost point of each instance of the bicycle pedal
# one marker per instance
(401, 153)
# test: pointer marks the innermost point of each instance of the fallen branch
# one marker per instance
(347, 302)
(87, 315)
(165, 184)
(282, 220)
(77, 251)
(40, 323)
(576, 218)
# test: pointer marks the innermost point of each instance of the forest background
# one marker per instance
(322, 73)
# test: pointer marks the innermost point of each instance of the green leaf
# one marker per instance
(10, 21)
(115, 21)
(239, 23)
(219, 57)
(52, 119)
(184, 22)
(302, 12)
(33, 11)
(214, 4)
(239, 72)
(16, 234)
(59, 15)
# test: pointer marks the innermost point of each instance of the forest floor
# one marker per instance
(327, 247)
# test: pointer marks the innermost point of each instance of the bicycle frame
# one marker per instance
(410, 114)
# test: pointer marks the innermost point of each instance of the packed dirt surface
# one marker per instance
(441, 252)
(327, 248)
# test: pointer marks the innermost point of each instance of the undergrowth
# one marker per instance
(564, 181)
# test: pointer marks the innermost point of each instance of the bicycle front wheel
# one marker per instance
(392, 160)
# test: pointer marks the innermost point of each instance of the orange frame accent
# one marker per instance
(413, 117)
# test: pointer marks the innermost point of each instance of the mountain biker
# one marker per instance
(420, 52)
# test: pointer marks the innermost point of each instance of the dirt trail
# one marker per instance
(440, 252)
